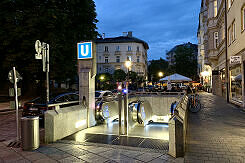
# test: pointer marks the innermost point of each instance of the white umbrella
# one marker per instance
(176, 78)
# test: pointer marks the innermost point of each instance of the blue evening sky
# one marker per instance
(161, 23)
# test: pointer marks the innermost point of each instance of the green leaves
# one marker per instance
(60, 23)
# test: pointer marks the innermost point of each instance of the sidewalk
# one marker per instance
(216, 133)
(66, 152)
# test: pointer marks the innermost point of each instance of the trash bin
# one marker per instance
(30, 133)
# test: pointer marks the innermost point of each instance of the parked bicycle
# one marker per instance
(194, 104)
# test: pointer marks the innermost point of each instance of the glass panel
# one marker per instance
(236, 84)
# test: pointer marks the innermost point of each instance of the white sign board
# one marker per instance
(235, 60)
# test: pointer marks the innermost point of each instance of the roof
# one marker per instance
(176, 77)
(122, 39)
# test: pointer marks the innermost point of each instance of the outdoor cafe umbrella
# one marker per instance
(176, 78)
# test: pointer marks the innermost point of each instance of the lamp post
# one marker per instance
(101, 79)
(160, 74)
(128, 64)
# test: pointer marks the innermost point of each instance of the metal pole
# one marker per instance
(16, 104)
(226, 56)
(120, 111)
(47, 70)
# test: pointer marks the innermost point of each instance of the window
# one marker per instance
(232, 32)
(215, 8)
(106, 69)
(106, 59)
(99, 57)
(229, 3)
(243, 17)
(138, 59)
(138, 48)
(236, 83)
(229, 35)
(129, 48)
(216, 37)
(118, 48)
(106, 48)
(118, 59)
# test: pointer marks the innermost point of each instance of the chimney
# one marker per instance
(125, 34)
(130, 34)
(103, 36)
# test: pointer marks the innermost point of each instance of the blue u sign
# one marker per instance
(84, 50)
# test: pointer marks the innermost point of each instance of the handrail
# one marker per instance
(63, 103)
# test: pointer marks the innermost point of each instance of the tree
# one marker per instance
(119, 75)
(155, 67)
(60, 23)
(186, 61)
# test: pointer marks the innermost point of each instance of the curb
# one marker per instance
(8, 111)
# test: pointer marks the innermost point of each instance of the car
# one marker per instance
(104, 95)
(38, 106)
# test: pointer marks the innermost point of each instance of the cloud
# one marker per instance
(162, 24)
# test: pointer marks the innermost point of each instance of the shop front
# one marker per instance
(235, 75)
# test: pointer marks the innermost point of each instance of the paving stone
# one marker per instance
(90, 157)
(217, 131)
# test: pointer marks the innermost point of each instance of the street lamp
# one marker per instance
(160, 74)
(102, 77)
(128, 64)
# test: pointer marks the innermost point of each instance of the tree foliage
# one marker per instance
(60, 23)
(186, 61)
(119, 75)
(155, 67)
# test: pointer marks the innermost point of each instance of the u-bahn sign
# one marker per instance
(84, 50)
(235, 60)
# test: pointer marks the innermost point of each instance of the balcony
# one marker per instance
(117, 52)
(106, 53)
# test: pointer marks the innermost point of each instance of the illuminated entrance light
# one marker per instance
(80, 123)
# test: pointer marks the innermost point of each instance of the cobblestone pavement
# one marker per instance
(69, 151)
(84, 152)
(216, 133)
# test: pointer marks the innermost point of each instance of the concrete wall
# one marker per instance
(160, 104)
(178, 128)
(64, 122)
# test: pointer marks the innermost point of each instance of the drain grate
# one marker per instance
(127, 141)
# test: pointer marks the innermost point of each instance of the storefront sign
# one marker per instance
(235, 60)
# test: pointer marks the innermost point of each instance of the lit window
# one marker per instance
(106, 59)
(118, 59)
(106, 48)
(129, 48)
(243, 17)
(215, 8)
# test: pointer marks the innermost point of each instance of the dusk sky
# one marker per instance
(161, 23)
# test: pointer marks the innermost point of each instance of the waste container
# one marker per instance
(30, 133)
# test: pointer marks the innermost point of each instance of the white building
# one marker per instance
(111, 54)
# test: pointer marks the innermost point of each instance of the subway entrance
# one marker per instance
(147, 122)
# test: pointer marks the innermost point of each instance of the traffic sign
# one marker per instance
(84, 50)
(38, 47)
(11, 76)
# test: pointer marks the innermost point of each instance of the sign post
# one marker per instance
(87, 73)
(42, 50)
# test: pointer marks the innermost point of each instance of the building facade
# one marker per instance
(111, 54)
(222, 40)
